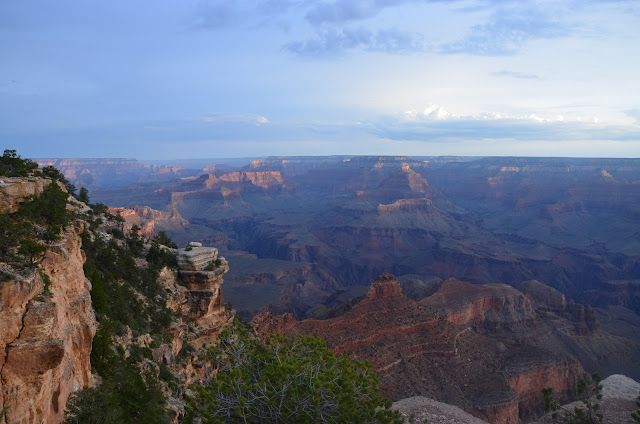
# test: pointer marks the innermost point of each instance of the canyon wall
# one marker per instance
(47, 326)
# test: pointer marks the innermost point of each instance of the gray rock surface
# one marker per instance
(196, 258)
(418, 409)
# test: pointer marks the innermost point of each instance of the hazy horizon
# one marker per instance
(249, 158)
(161, 80)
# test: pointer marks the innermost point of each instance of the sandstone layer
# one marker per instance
(202, 270)
(151, 221)
(13, 190)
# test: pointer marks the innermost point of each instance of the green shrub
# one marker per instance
(186, 352)
(589, 392)
(125, 396)
(158, 257)
(294, 380)
(55, 174)
(12, 165)
(32, 250)
(163, 238)
(49, 209)
(47, 283)
(83, 196)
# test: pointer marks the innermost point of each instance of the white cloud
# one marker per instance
(439, 113)
(229, 118)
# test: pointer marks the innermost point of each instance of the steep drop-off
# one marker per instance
(47, 326)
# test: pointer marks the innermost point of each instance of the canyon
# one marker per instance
(488, 349)
(336, 223)
(513, 273)
(48, 320)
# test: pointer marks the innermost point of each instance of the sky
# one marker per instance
(208, 78)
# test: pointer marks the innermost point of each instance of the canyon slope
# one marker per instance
(315, 231)
(488, 349)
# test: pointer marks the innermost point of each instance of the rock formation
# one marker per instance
(13, 190)
(477, 219)
(420, 409)
(202, 269)
(488, 349)
(45, 336)
(619, 395)
(151, 221)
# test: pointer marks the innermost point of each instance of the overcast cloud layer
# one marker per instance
(163, 80)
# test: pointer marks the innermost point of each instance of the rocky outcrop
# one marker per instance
(550, 301)
(264, 179)
(13, 190)
(385, 286)
(151, 221)
(202, 269)
(405, 205)
(530, 374)
(619, 395)
(488, 306)
(420, 409)
(45, 339)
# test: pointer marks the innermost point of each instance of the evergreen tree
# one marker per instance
(12, 165)
(295, 380)
(83, 196)
(589, 392)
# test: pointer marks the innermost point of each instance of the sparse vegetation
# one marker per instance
(38, 219)
(126, 394)
(49, 210)
(163, 239)
(112, 269)
(83, 196)
(636, 415)
(47, 283)
(32, 250)
(589, 392)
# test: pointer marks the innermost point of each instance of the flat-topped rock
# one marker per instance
(196, 258)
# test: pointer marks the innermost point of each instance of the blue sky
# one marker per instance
(187, 79)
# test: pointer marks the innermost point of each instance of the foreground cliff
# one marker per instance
(488, 349)
(140, 327)
(47, 322)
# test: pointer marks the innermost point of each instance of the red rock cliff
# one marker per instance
(45, 341)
